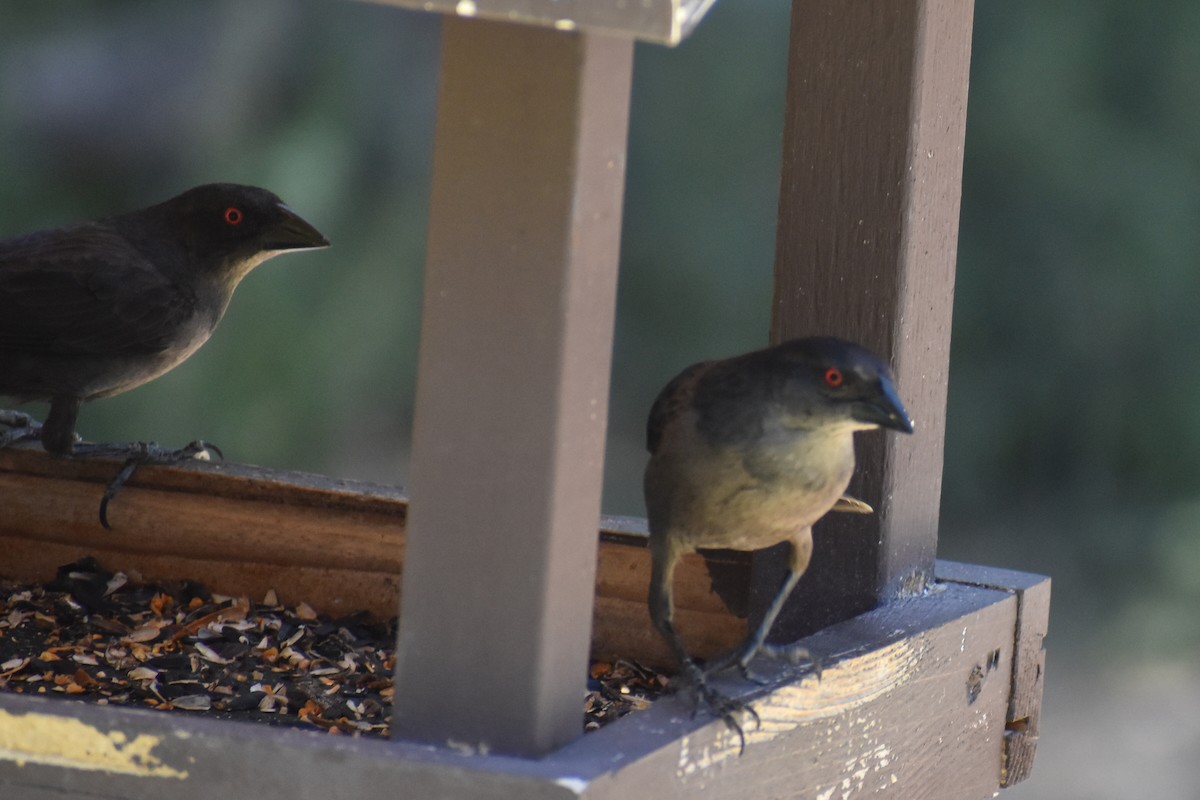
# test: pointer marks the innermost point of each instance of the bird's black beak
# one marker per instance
(292, 232)
(884, 410)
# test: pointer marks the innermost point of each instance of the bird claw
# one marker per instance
(739, 658)
(694, 681)
(16, 419)
(139, 453)
(114, 486)
(21, 427)
(727, 708)
(202, 451)
(793, 654)
(752, 676)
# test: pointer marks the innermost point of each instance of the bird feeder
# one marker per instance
(932, 678)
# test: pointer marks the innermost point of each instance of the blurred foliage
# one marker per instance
(331, 105)
(1079, 251)
(1073, 435)
(1073, 441)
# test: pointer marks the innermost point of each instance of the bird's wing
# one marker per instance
(671, 403)
(85, 290)
(852, 505)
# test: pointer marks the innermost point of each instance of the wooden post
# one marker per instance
(868, 229)
(512, 390)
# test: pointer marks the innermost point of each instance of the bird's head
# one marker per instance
(231, 229)
(826, 381)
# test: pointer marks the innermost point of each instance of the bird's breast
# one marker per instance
(748, 498)
(130, 371)
(100, 371)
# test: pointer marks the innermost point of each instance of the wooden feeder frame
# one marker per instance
(933, 671)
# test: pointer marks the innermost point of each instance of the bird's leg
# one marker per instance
(664, 557)
(743, 654)
(58, 437)
(21, 427)
(136, 454)
(58, 431)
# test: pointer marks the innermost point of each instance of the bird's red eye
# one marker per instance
(834, 377)
(234, 215)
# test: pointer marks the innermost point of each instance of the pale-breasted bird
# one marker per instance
(98, 308)
(749, 452)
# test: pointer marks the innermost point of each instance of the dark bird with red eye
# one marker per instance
(749, 452)
(99, 308)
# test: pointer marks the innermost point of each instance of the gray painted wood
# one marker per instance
(1029, 659)
(662, 21)
(26, 792)
(912, 703)
(512, 385)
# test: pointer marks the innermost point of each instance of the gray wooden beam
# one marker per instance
(661, 21)
(867, 239)
(1028, 656)
(512, 387)
(914, 702)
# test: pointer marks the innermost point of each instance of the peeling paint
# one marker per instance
(66, 742)
(844, 686)
(725, 744)
(864, 773)
(576, 785)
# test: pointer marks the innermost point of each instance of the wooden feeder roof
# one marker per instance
(662, 21)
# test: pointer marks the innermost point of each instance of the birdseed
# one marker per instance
(101, 637)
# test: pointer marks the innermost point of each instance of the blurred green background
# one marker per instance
(1073, 444)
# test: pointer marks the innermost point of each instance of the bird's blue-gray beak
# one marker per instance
(293, 232)
(884, 410)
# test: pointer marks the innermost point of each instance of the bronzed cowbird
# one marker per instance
(95, 309)
(749, 452)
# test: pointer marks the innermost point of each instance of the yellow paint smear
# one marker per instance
(66, 742)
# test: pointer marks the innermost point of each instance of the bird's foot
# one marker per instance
(794, 654)
(136, 454)
(693, 680)
(21, 427)
(739, 659)
(752, 676)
